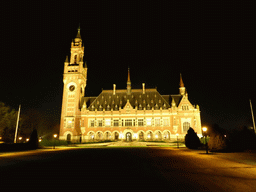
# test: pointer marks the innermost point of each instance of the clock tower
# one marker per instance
(74, 79)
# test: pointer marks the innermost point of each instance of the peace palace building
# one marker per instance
(121, 114)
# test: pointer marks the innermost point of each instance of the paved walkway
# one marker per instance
(131, 144)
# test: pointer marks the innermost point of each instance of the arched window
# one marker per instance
(150, 136)
(186, 126)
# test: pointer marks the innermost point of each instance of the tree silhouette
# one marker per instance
(191, 139)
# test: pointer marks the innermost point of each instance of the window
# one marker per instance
(140, 122)
(148, 122)
(184, 107)
(186, 126)
(116, 122)
(108, 122)
(92, 123)
(100, 123)
(70, 123)
(166, 122)
(128, 122)
(157, 122)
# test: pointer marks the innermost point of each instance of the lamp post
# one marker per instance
(177, 134)
(55, 136)
(206, 145)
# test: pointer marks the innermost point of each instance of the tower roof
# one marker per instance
(78, 36)
(78, 32)
(181, 81)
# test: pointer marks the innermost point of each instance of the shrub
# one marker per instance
(218, 143)
(46, 142)
(192, 140)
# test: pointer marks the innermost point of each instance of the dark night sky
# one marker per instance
(212, 43)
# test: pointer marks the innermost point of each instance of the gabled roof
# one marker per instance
(151, 99)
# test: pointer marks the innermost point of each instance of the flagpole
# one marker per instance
(252, 116)
(17, 124)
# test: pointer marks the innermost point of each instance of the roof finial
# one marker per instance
(181, 82)
(78, 32)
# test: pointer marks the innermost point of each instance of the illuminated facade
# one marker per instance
(126, 114)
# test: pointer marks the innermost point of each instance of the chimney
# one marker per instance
(143, 88)
(114, 89)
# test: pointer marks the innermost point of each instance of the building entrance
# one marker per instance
(116, 136)
(128, 136)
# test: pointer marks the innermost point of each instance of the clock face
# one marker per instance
(72, 88)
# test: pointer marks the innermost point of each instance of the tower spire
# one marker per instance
(78, 32)
(181, 81)
(182, 87)
(128, 83)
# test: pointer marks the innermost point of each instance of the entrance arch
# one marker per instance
(141, 136)
(68, 138)
(116, 136)
(128, 136)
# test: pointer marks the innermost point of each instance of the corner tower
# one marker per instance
(74, 79)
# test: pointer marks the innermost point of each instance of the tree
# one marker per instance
(8, 119)
(192, 140)
(218, 142)
(33, 141)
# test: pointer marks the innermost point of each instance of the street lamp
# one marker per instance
(206, 145)
(55, 136)
(20, 138)
(177, 134)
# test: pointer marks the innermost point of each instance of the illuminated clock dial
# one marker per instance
(72, 88)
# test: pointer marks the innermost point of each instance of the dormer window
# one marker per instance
(140, 107)
(148, 107)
